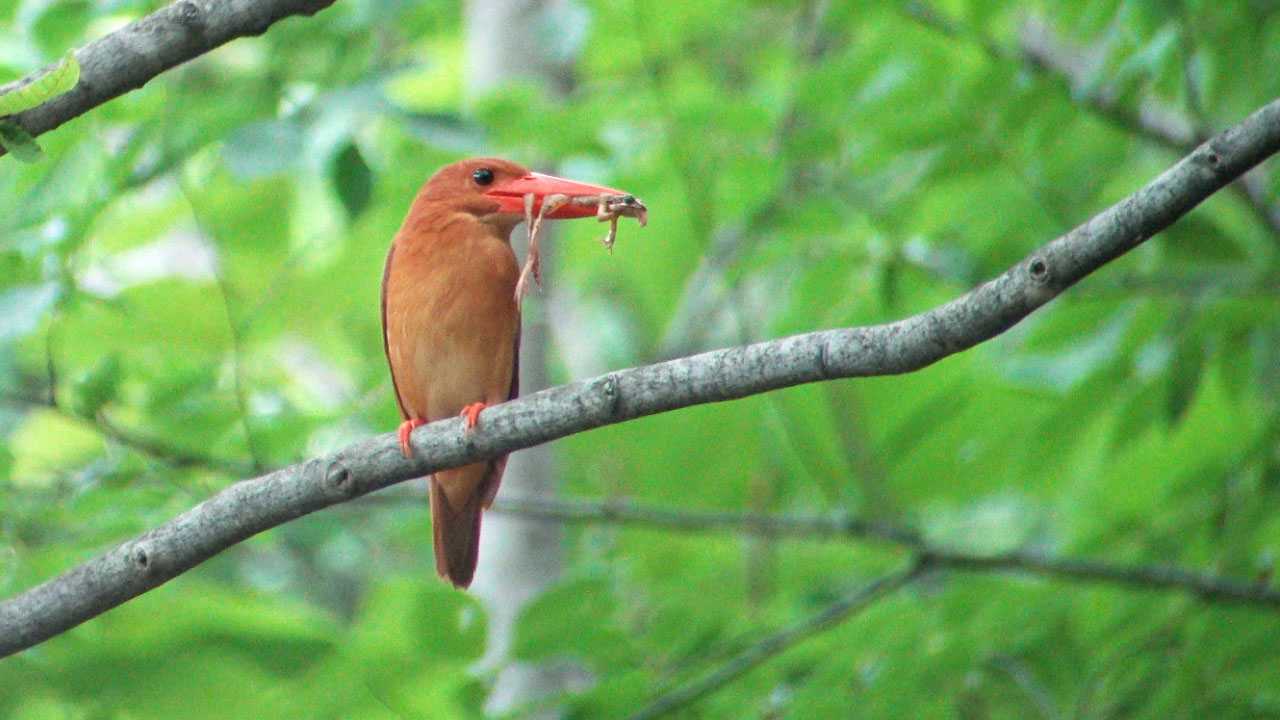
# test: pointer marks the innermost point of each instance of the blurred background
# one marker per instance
(189, 296)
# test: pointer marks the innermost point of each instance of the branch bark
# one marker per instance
(251, 506)
(131, 56)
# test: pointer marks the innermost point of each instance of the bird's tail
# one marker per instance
(458, 496)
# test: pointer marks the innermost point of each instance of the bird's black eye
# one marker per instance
(483, 176)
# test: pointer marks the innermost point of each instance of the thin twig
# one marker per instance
(103, 425)
(781, 641)
(233, 328)
(613, 512)
(1205, 586)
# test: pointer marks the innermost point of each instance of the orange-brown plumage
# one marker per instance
(451, 324)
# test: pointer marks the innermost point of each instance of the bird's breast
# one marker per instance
(451, 325)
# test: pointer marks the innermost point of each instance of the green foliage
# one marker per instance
(193, 271)
(57, 81)
(97, 386)
(352, 178)
(18, 142)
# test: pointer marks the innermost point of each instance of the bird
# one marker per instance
(451, 322)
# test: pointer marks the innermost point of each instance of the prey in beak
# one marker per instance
(541, 197)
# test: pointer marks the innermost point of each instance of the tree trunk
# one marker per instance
(519, 557)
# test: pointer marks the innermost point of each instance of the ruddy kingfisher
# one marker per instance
(451, 317)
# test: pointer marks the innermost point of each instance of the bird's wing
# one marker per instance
(515, 364)
(386, 341)
(499, 464)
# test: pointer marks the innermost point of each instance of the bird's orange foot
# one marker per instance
(472, 414)
(406, 429)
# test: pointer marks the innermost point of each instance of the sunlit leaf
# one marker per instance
(97, 386)
(61, 25)
(57, 81)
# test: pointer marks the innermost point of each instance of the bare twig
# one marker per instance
(773, 525)
(1205, 586)
(781, 641)
(234, 328)
(131, 56)
(252, 506)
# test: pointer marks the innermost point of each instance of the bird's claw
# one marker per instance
(471, 415)
(406, 429)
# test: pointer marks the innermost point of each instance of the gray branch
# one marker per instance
(131, 56)
(252, 506)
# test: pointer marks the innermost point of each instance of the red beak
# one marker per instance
(510, 195)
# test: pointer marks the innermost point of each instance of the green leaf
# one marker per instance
(352, 178)
(18, 142)
(552, 624)
(419, 621)
(48, 86)
(97, 386)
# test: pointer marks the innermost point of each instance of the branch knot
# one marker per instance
(1038, 269)
(190, 16)
(824, 369)
(338, 476)
(612, 394)
(141, 558)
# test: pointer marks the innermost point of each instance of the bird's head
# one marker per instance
(494, 190)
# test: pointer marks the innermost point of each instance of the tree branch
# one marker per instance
(612, 512)
(251, 506)
(1205, 586)
(131, 56)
